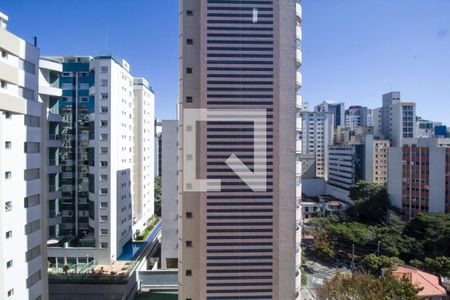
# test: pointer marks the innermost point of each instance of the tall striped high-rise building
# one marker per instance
(237, 241)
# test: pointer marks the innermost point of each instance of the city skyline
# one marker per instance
(357, 42)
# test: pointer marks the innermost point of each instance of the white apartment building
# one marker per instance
(345, 165)
(23, 268)
(105, 169)
(376, 153)
(169, 194)
(144, 151)
(398, 119)
(316, 135)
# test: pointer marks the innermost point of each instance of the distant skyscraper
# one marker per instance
(337, 109)
(23, 270)
(100, 177)
(419, 176)
(317, 135)
(238, 242)
(398, 119)
(357, 116)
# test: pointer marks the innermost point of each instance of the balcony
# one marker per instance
(92, 90)
(298, 235)
(54, 217)
(53, 166)
(298, 56)
(298, 80)
(298, 191)
(50, 89)
(298, 256)
(298, 281)
(298, 168)
(298, 32)
(54, 192)
(298, 101)
(298, 124)
(298, 10)
(54, 140)
(298, 146)
(298, 213)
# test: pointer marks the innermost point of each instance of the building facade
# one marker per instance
(335, 108)
(398, 119)
(316, 135)
(419, 176)
(345, 165)
(358, 116)
(23, 269)
(237, 242)
(169, 194)
(99, 155)
(375, 165)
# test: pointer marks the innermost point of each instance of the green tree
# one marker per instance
(439, 265)
(432, 231)
(374, 264)
(371, 203)
(322, 248)
(361, 286)
(158, 196)
(351, 233)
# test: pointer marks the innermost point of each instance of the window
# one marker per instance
(103, 123)
(189, 70)
(104, 150)
(188, 272)
(8, 175)
(7, 115)
(103, 191)
(103, 177)
(8, 206)
(104, 95)
(9, 264)
(103, 204)
(8, 234)
(10, 292)
(104, 109)
(33, 279)
(103, 137)
(32, 174)
(188, 99)
(7, 145)
(104, 245)
(31, 201)
(103, 163)
(190, 41)
(32, 227)
(103, 69)
(188, 243)
(32, 121)
(4, 53)
(84, 99)
(32, 147)
(3, 84)
(66, 74)
(26, 93)
(103, 231)
(188, 215)
(104, 82)
(103, 219)
(189, 13)
(33, 253)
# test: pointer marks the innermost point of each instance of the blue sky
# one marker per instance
(354, 50)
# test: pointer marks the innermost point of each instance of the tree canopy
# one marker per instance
(361, 286)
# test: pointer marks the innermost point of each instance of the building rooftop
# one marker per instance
(427, 281)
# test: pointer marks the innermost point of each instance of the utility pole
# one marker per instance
(353, 257)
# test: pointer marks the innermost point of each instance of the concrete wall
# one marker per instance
(169, 193)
